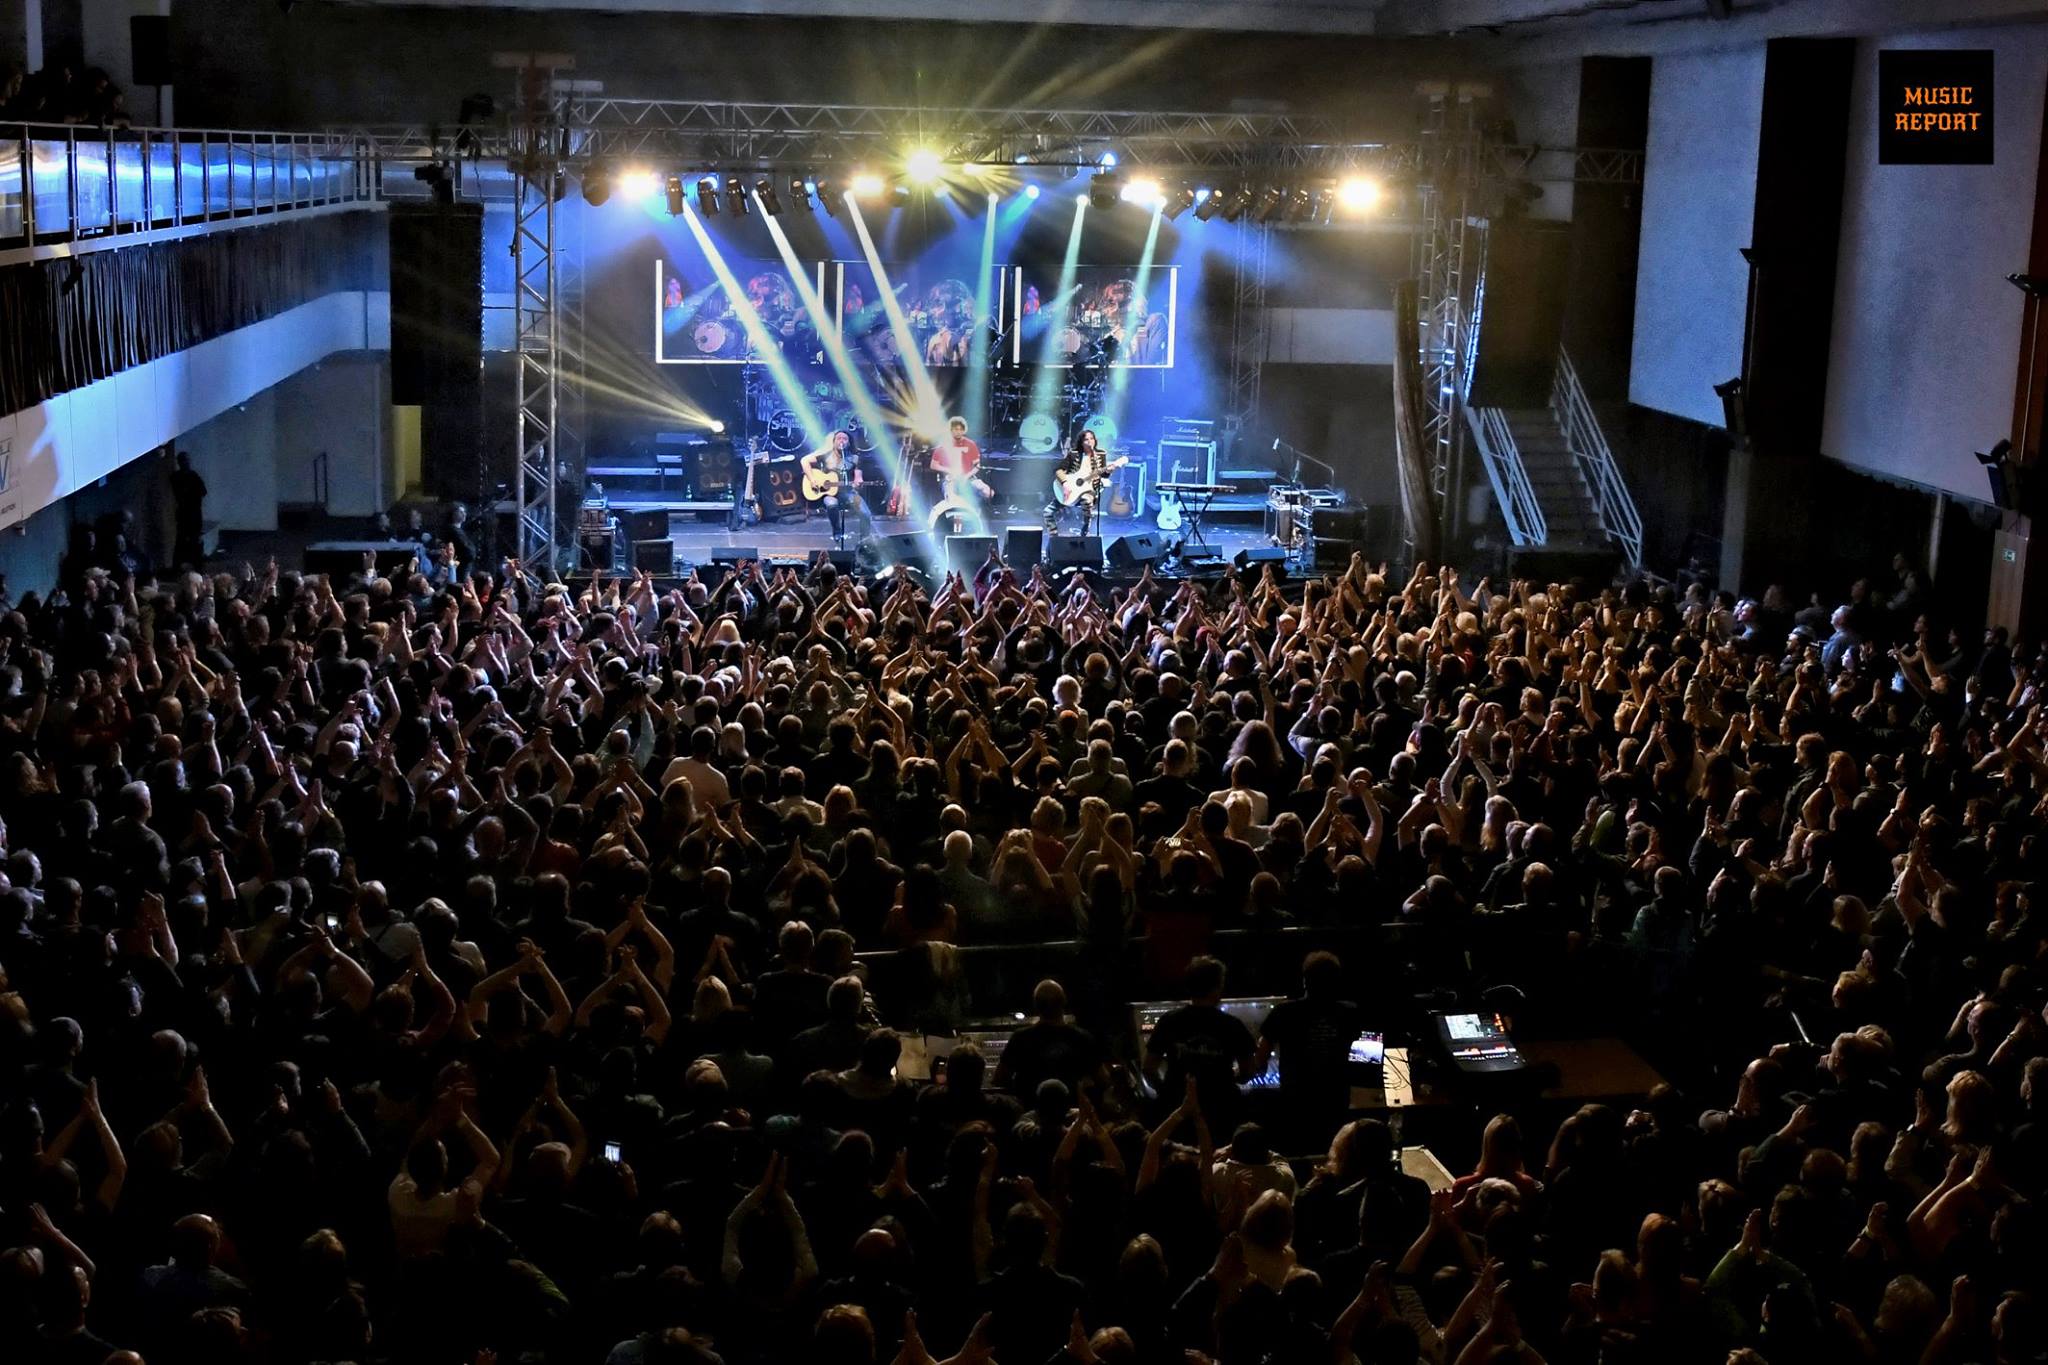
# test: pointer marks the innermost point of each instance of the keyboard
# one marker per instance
(1196, 487)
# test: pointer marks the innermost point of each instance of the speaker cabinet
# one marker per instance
(655, 556)
(1074, 552)
(1023, 548)
(966, 554)
(1140, 547)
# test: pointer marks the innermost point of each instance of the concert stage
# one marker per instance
(699, 543)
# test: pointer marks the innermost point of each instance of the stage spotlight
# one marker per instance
(800, 192)
(597, 182)
(1271, 202)
(924, 166)
(707, 196)
(674, 190)
(1108, 162)
(771, 202)
(434, 176)
(1178, 202)
(1235, 203)
(1301, 205)
(639, 185)
(1031, 191)
(1105, 188)
(828, 196)
(867, 185)
(717, 427)
(1208, 203)
(1358, 194)
(736, 195)
(1144, 192)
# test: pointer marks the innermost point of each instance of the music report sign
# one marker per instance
(1934, 107)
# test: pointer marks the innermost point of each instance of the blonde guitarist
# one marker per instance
(830, 480)
(1078, 482)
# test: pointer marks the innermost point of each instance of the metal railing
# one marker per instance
(1509, 477)
(1611, 499)
(64, 185)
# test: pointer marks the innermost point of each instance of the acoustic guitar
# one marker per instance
(821, 483)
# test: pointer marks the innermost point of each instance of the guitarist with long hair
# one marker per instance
(831, 478)
(1078, 481)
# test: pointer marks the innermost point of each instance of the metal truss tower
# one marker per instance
(1248, 326)
(1449, 157)
(538, 144)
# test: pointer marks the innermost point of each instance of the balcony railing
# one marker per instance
(62, 185)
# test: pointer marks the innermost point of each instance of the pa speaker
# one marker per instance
(733, 554)
(1074, 552)
(908, 547)
(967, 553)
(149, 49)
(1023, 547)
(1140, 547)
(641, 526)
(437, 338)
(1256, 556)
(1527, 266)
(655, 556)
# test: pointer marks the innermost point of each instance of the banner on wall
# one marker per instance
(31, 476)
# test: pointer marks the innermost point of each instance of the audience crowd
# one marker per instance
(62, 94)
(457, 967)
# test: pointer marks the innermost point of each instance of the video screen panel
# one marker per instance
(1107, 315)
(940, 309)
(697, 322)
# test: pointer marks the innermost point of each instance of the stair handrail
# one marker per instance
(1612, 501)
(1502, 460)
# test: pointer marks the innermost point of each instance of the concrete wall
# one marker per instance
(1699, 195)
(1544, 102)
(1927, 331)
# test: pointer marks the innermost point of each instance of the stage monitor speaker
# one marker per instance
(966, 554)
(779, 485)
(1023, 548)
(655, 556)
(733, 554)
(1253, 556)
(1074, 552)
(1139, 547)
(1527, 265)
(908, 547)
(149, 49)
(843, 560)
(641, 526)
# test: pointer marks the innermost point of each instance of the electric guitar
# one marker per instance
(1068, 489)
(747, 511)
(1169, 512)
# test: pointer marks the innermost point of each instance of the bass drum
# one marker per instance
(785, 432)
(1038, 434)
(1071, 341)
(710, 337)
(1104, 427)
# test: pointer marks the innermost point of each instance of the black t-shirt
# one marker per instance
(1039, 1052)
(1313, 1038)
(1201, 1041)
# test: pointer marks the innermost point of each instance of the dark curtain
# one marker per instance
(66, 323)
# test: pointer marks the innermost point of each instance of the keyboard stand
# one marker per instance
(1193, 505)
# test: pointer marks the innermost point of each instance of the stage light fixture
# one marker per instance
(828, 196)
(1143, 191)
(867, 185)
(597, 183)
(1271, 202)
(1208, 203)
(1358, 194)
(707, 196)
(924, 166)
(800, 192)
(1108, 162)
(639, 184)
(717, 427)
(1301, 205)
(736, 195)
(1178, 202)
(674, 189)
(1105, 188)
(1236, 202)
(771, 202)
(1031, 191)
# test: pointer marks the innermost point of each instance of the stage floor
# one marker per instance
(697, 541)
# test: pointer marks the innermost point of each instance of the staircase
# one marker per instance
(1553, 475)
(1570, 518)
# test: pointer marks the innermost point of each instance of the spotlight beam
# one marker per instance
(928, 414)
(766, 346)
(1120, 377)
(872, 417)
(976, 398)
(1045, 381)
